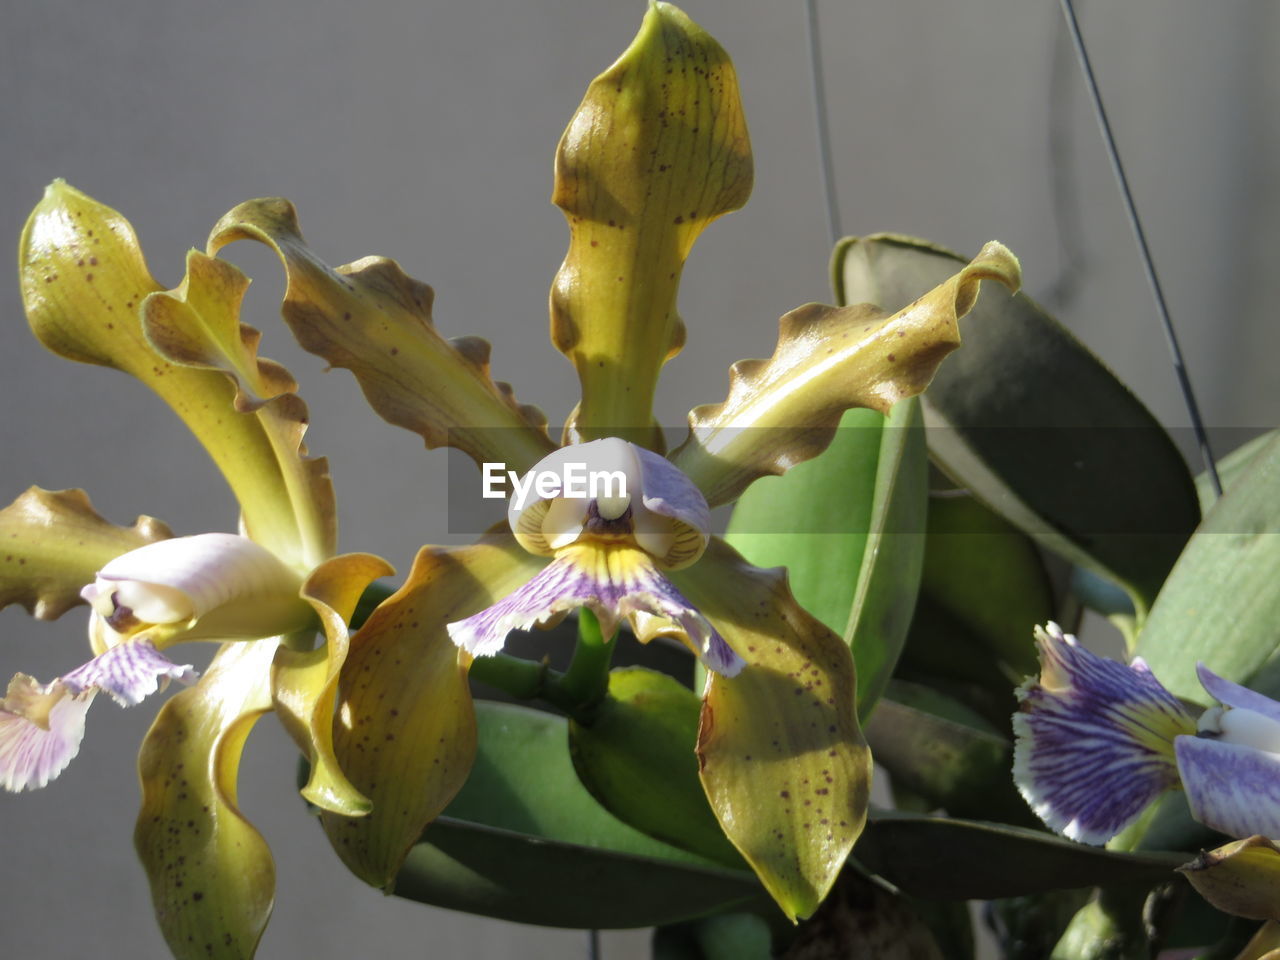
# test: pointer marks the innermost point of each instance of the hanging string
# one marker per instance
(824, 128)
(1175, 352)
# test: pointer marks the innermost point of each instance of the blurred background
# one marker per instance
(425, 132)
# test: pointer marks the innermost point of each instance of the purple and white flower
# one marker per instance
(211, 586)
(609, 553)
(1098, 741)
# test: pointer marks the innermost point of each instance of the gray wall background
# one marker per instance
(425, 132)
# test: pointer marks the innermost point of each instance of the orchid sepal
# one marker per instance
(784, 410)
(84, 283)
(373, 319)
(1240, 878)
(211, 874)
(657, 150)
(54, 542)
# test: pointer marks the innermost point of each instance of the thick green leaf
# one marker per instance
(1034, 425)
(1231, 467)
(941, 858)
(525, 841)
(1220, 604)
(987, 575)
(637, 760)
(847, 525)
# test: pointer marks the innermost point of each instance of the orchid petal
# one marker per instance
(1234, 695)
(304, 684)
(1241, 878)
(212, 877)
(41, 725)
(657, 150)
(84, 282)
(1094, 739)
(783, 761)
(129, 673)
(40, 733)
(613, 582)
(374, 320)
(198, 326)
(405, 732)
(53, 542)
(209, 586)
(785, 410)
(1230, 787)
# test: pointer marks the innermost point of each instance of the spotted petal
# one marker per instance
(614, 581)
(1094, 739)
(405, 731)
(783, 761)
(84, 283)
(657, 150)
(212, 877)
(54, 542)
(785, 410)
(374, 320)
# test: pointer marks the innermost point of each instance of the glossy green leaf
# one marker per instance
(943, 752)
(637, 759)
(847, 526)
(524, 841)
(1220, 604)
(54, 542)
(944, 858)
(657, 150)
(988, 576)
(1035, 426)
(1230, 467)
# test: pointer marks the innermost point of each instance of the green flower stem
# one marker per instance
(586, 682)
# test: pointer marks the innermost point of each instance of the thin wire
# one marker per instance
(1175, 352)
(593, 945)
(824, 128)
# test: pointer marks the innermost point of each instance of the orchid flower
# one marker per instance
(1098, 741)
(657, 150)
(263, 593)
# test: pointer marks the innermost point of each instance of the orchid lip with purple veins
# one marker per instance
(1098, 741)
(608, 552)
(215, 585)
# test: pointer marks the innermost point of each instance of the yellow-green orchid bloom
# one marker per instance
(657, 150)
(263, 592)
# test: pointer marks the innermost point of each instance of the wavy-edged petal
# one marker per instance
(84, 281)
(784, 410)
(373, 319)
(129, 673)
(782, 758)
(657, 150)
(197, 325)
(211, 873)
(51, 544)
(405, 732)
(1094, 739)
(613, 581)
(304, 684)
(1230, 787)
(40, 733)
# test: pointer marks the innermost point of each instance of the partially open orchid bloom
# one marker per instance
(263, 594)
(1098, 741)
(656, 152)
(610, 551)
(212, 586)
